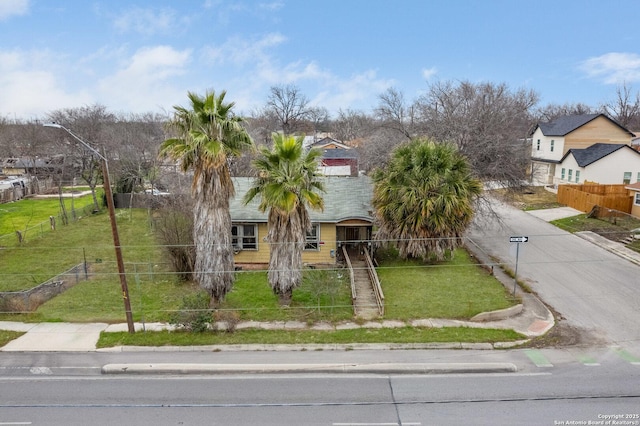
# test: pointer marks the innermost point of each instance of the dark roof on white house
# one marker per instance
(345, 198)
(595, 152)
(568, 123)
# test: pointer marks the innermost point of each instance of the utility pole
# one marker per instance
(114, 225)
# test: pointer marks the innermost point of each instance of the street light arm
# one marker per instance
(114, 225)
(76, 137)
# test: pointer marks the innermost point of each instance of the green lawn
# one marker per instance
(90, 238)
(385, 335)
(31, 216)
(7, 336)
(457, 289)
(614, 231)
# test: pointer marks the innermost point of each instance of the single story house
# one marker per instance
(347, 220)
(603, 163)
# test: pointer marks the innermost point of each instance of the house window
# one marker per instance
(244, 237)
(312, 240)
(552, 143)
(562, 173)
(636, 199)
(577, 175)
(627, 177)
(638, 178)
(570, 175)
(538, 145)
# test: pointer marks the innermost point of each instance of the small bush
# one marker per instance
(229, 318)
(195, 314)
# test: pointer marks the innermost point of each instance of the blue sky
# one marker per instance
(144, 55)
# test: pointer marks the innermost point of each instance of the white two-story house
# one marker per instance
(552, 141)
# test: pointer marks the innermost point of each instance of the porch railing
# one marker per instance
(375, 282)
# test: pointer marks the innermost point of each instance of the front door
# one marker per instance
(352, 234)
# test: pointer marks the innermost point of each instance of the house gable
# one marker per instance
(595, 152)
(601, 163)
(329, 143)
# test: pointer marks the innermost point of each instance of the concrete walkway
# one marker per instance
(554, 214)
(530, 319)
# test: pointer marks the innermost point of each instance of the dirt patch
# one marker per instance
(563, 335)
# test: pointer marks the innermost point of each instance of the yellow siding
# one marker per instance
(331, 146)
(323, 255)
(256, 256)
(599, 130)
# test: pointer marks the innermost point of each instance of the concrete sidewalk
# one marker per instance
(531, 319)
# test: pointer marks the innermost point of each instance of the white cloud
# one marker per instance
(10, 8)
(146, 21)
(146, 81)
(239, 51)
(427, 73)
(274, 5)
(31, 84)
(613, 68)
(360, 91)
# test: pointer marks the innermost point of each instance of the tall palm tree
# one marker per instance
(288, 182)
(423, 199)
(207, 136)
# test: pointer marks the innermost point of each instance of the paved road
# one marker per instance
(575, 392)
(590, 287)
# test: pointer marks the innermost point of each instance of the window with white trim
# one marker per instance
(312, 239)
(244, 237)
(577, 175)
(638, 178)
(570, 175)
(538, 145)
(562, 173)
(626, 178)
(636, 199)
(552, 143)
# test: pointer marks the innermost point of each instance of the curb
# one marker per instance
(313, 347)
(378, 368)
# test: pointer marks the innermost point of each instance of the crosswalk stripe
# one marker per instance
(538, 358)
(622, 353)
(588, 361)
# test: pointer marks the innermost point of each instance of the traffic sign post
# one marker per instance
(517, 240)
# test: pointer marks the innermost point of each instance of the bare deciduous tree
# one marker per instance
(351, 125)
(625, 108)
(394, 113)
(88, 123)
(488, 122)
(552, 111)
(290, 106)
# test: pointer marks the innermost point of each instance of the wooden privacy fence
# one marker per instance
(585, 197)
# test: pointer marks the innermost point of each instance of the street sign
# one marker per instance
(518, 239)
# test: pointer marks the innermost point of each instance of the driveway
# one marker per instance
(588, 286)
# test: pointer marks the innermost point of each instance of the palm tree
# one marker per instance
(208, 136)
(288, 181)
(423, 199)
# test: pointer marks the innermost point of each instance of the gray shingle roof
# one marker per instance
(595, 152)
(345, 198)
(566, 124)
(339, 153)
